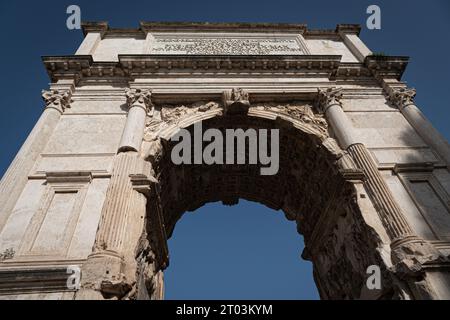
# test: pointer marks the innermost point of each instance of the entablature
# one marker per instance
(141, 66)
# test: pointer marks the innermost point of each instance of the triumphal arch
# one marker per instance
(361, 172)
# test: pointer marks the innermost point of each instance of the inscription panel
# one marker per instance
(215, 44)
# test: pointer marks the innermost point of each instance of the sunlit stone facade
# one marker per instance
(363, 174)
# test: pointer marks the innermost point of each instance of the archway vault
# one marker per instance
(316, 186)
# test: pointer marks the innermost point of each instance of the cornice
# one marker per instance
(252, 63)
(386, 66)
(130, 66)
(222, 27)
(348, 29)
(100, 26)
(352, 70)
(62, 67)
(150, 26)
(333, 33)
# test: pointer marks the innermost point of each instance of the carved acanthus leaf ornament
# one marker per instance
(299, 111)
(402, 97)
(173, 114)
(139, 97)
(57, 99)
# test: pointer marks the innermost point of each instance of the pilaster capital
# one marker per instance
(57, 99)
(401, 97)
(328, 97)
(139, 98)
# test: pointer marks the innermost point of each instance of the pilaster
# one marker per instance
(403, 99)
(57, 99)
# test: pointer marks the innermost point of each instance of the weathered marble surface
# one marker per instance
(94, 186)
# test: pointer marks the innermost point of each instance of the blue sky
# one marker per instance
(245, 251)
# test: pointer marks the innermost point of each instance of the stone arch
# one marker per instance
(316, 187)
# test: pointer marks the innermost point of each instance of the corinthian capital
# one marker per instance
(139, 97)
(59, 100)
(402, 97)
(328, 97)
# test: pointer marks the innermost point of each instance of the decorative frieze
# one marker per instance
(178, 115)
(298, 111)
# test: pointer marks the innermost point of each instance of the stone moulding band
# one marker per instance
(329, 66)
(34, 279)
(150, 26)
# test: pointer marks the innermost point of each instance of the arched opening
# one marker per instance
(246, 251)
(312, 187)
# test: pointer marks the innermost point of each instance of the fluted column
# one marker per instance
(108, 270)
(110, 234)
(57, 99)
(389, 211)
(403, 99)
